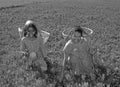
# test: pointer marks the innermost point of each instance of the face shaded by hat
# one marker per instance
(82, 31)
(29, 25)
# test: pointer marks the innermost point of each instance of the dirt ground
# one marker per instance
(101, 16)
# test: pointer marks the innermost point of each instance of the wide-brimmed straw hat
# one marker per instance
(85, 31)
(45, 35)
(28, 22)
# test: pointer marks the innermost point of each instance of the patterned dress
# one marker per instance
(36, 49)
(80, 57)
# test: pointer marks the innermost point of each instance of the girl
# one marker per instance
(45, 35)
(77, 51)
(32, 44)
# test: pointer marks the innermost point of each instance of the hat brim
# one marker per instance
(66, 32)
(87, 31)
(21, 33)
(45, 35)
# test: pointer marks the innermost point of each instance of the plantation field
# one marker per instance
(6, 3)
(55, 16)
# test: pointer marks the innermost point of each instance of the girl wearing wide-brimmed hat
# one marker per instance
(77, 50)
(32, 44)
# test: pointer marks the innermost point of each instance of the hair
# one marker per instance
(26, 27)
(80, 30)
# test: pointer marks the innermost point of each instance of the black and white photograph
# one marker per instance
(59, 43)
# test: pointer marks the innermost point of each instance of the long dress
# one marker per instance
(80, 57)
(35, 47)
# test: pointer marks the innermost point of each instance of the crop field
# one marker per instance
(103, 17)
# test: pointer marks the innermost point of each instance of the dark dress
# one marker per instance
(80, 57)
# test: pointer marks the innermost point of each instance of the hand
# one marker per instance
(25, 53)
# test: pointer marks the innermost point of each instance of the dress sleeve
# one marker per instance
(68, 50)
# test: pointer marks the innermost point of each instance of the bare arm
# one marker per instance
(67, 48)
(66, 51)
